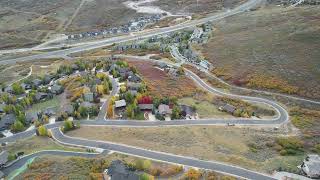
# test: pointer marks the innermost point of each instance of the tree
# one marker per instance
(129, 97)
(130, 111)
(17, 89)
(110, 110)
(175, 112)
(21, 117)
(68, 125)
(83, 111)
(17, 126)
(42, 131)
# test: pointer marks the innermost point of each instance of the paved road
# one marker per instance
(93, 45)
(210, 165)
(24, 159)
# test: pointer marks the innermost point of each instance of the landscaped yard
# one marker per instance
(54, 102)
(204, 109)
(239, 146)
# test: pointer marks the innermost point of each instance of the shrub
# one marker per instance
(192, 174)
(145, 176)
(42, 130)
(67, 126)
(17, 126)
(289, 146)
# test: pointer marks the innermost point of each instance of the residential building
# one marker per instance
(187, 111)
(120, 103)
(164, 109)
(145, 107)
(119, 171)
(56, 89)
(227, 108)
(6, 121)
(311, 166)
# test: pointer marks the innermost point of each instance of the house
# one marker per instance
(8, 89)
(88, 96)
(50, 111)
(145, 107)
(41, 96)
(187, 111)
(3, 158)
(164, 109)
(227, 108)
(47, 78)
(120, 103)
(31, 117)
(37, 82)
(26, 86)
(6, 121)
(133, 86)
(119, 171)
(68, 109)
(134, 78)
(56, 89)
(311, 166)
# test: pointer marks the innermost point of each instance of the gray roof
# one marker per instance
(6, 121)
(119, 171)
(120, 103)
(188, 110)
(87, 104)
(312, 162)
(145, 106)
(164, 109)
(229, 108)
(4, 157)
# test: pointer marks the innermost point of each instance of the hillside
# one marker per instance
(272, 48)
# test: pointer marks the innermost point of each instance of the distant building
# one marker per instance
(311, 166)
(56, 89)
(119, 171)
(205, 64)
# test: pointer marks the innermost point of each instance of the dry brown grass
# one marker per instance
(272, 48)
(224, 144)
(161, 84)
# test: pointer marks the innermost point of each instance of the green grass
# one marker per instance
(35, 143)
(204, 108)
(54, 102)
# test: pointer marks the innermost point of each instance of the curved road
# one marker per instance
(159, 156)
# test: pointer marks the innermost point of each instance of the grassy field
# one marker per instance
(225, 144)
(36, 143)
(272, 48)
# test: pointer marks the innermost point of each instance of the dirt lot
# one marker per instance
(162, 84)
(272, 48)
(226, 144)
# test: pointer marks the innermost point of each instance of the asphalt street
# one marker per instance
(135, 151)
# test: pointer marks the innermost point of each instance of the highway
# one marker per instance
(102, 43)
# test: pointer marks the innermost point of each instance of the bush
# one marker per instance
(145, 176)
(289, 146)
(142, 165)
(17, 126)
(67, 126)
(42, 130)
(192, 174)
